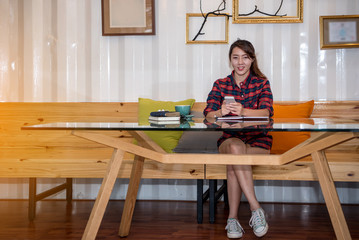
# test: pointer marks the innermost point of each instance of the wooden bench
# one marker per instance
(58, 154)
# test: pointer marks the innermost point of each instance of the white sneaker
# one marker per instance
(234, 229)
(258, 223)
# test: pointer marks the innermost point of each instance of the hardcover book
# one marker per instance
(164, 123)
(164, 119)
(164, 114)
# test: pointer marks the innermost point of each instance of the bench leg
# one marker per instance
(32, 199)
(330, 195)
(69, 190)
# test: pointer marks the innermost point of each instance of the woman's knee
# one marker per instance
(233, 146)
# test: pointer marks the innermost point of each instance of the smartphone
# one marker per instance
(229, 99)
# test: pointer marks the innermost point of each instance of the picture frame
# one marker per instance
(289, 11)
(194, 24)
(137, 17)
(339, 31)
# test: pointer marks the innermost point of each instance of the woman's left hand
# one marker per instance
(235, 108)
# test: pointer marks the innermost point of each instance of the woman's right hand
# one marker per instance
(224, 109)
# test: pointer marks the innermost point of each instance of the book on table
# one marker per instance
(162, 113)
(164, 123)
(243, 118)
(164, 119)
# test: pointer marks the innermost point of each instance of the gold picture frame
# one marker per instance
(189, 38)
(123, 17)
(275, 18)
(339, 31)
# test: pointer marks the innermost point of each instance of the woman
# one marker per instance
(253, 96)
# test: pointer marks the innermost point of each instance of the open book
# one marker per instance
(243, 118)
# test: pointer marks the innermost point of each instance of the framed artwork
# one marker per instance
(123, 17)
(268, 11)
(206, 28)
(339, 31)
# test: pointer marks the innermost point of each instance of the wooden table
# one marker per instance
(328, 133)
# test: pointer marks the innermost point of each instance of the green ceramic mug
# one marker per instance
(183, 109)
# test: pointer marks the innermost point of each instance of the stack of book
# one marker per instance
(160, 118)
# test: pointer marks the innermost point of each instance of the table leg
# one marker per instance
(131, 196)
(103, 196)
(330, 195)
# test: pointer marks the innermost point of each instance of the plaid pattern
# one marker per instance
(254, 93)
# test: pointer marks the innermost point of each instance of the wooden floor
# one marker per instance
(166, 220)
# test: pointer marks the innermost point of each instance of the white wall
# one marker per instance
(54, 51)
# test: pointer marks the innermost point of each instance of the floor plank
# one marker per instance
(166, 220)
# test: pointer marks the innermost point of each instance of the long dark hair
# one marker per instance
(248, 48)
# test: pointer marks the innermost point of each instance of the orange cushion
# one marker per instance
(283, 141)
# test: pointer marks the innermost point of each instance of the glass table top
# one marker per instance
(293, 125)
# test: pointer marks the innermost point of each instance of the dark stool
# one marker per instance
(213, 194)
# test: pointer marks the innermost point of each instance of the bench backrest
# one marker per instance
(128, 111)
(330, 109)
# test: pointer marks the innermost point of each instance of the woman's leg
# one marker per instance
(234, 189)
(240, 177)
(234, 192)
(245, 179)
